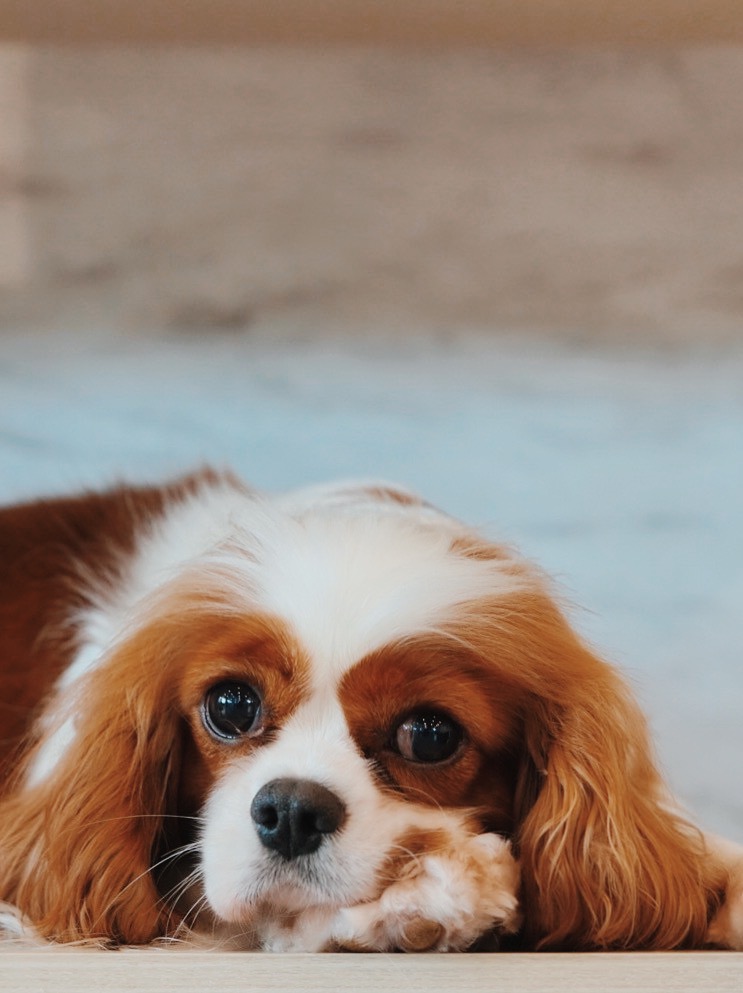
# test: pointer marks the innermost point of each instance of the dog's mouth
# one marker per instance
(320, 879)
(278, 887)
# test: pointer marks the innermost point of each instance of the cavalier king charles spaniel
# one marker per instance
(333, 719)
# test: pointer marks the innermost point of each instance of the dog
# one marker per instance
(331, 719)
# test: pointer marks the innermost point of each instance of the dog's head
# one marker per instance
(299, 691)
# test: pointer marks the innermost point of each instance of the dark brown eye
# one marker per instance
(231, 710)
(428, 737)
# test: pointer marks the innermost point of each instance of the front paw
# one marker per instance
(726, 930)
(443, 900)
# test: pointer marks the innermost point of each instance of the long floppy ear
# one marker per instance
(606, 862)
(77, 847)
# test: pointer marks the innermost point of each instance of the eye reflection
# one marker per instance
(231, 710)
(428, 737)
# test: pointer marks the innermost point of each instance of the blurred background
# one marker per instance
(492, 249)
(559, 165)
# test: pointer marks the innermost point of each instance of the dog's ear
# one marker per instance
(77, 846)
(606, 862)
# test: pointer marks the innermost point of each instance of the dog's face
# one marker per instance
(337, 716)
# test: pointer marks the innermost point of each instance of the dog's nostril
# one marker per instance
(293, 816)
(266, 815)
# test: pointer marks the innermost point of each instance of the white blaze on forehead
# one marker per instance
(348, 568)
(348, 585)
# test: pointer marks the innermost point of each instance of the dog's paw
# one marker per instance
(443, 900)
(14, 928)
(726, 930)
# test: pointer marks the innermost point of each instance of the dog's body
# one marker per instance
(332, 719)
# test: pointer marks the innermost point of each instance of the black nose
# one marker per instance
(292, 816)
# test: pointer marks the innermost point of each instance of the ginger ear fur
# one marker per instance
(77, 847)
(606, 860)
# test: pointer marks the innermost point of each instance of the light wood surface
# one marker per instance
(479, 22)
(163, 970)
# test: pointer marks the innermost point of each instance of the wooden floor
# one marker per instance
(163, 970)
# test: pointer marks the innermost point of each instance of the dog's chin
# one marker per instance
(284, 900)
(284, 903)
(269, 922)
(277, 889)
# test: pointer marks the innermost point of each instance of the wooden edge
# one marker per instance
(185, 970)
(406, 22)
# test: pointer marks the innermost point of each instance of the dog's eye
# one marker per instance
(231, 710)
(428, 737)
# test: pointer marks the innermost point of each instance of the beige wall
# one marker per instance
(592, 190)
(408, 21)
(583, 192)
